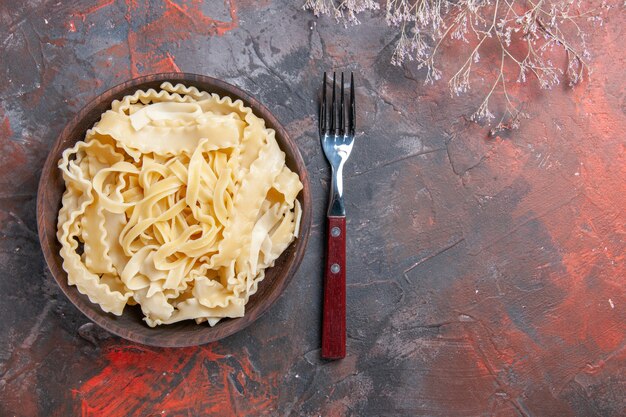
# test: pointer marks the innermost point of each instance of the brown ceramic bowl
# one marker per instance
(130, 325)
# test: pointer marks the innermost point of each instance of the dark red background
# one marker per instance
(485, 276)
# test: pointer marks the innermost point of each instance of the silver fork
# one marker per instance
(337, 137)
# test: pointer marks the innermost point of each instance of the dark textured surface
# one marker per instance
(485, 276)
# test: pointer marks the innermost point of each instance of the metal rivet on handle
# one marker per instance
(334, 268)
(335, 231)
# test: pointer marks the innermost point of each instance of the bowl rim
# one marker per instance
(105, 321)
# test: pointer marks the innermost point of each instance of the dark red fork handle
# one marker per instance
(334, 314)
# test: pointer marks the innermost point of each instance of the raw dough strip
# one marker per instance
(182, 199)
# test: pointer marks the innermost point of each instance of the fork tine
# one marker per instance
(342, 111)
(333, 109)
(323, 109)
(352, 109)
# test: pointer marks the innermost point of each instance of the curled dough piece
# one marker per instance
(177, 200)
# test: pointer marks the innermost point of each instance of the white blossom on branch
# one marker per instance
(527, 34)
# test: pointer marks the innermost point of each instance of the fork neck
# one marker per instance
(336, 205)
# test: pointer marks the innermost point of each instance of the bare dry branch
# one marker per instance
(525, 32)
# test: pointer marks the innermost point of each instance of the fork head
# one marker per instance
(335, 129)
